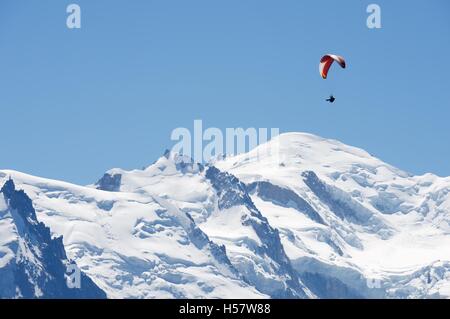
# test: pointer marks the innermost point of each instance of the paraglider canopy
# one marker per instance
(326, 62)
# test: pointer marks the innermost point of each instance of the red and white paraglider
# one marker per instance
(325, 64)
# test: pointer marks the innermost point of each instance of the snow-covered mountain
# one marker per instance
(32, 264)
(297, 217)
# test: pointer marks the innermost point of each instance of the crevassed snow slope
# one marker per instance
(134, 245)
(376, 221)
(221, 207)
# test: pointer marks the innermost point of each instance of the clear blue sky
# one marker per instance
(75, 103)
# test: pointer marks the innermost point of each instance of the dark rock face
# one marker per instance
(110, 183)
(340, 207)
(284, 197)
(232, 192)
(40, 267)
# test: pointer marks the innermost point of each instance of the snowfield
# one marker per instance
(297, 217)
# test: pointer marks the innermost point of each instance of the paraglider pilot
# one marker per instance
(331, 99)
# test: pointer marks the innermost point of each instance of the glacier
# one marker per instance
(297, 217)
(32, 264)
